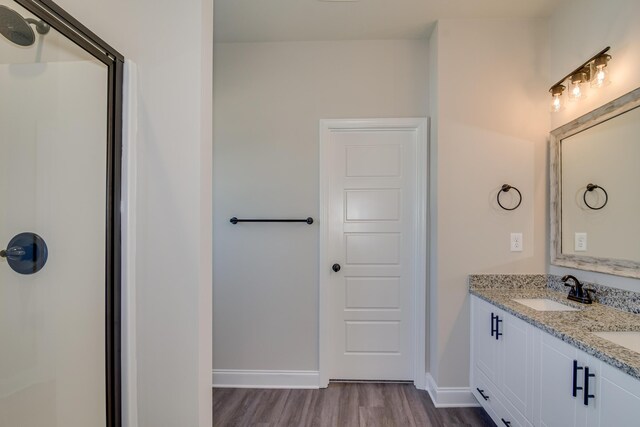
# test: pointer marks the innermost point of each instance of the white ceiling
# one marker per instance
(304, 20)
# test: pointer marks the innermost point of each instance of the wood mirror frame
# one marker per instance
(608, 111)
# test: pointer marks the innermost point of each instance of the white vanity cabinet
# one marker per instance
(517, 364)
(616, 401)
(502, 365)
(567, 374)
(485, 345)
(560, 372)
(523, 376)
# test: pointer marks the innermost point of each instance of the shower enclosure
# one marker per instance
(60, 154)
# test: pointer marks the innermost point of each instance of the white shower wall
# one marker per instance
(53, 127)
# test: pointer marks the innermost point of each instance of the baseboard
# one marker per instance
(231, 378)
(449, 397)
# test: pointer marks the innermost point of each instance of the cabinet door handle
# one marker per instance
(507, 423)
(586, 394)
(498, 333)
(482, 394)
(575, 378)
(493, 318)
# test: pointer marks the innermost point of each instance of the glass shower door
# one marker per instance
(54, 99)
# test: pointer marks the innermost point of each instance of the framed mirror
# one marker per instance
(595, 191)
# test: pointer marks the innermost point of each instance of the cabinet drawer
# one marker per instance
(485, 392)
(497, 406)
(510, 416)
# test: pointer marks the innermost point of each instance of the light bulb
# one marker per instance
(600, 71)
(601, 77)
(556, 98)
(576, 86)
(575, 90)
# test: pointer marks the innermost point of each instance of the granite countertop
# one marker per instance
(573, 327)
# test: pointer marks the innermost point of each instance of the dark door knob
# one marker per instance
(336, 267)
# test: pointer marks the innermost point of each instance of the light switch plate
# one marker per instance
(580, 244)
(516, 242)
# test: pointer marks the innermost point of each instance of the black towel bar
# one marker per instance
(235, 220)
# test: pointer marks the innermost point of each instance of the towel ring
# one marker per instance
(591, 187)
(504, 189)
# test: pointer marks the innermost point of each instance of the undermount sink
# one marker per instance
(543, 304)
(630, 340)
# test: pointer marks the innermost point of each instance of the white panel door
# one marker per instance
(372, 236)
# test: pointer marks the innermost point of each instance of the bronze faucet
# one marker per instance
(577, 292)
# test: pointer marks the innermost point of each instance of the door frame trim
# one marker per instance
(421, 126)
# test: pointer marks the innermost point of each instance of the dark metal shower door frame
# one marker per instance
(66, 24)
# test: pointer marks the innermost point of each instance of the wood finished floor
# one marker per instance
(341, 405)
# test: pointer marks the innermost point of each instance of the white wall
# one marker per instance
(171, 42)
(268, 98)
(489, 127)
(612, 23)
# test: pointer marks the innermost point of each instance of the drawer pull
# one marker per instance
(482, 394)
(587, 396)
(575, 378)
(507, 423)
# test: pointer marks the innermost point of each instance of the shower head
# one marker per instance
(16, 29)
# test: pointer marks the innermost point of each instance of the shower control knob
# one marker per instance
(13, 253)
(26, 253)
(336, 267)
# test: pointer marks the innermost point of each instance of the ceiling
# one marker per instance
(305, 20)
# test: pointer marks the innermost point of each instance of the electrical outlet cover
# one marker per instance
(516, 242)
(580, 243)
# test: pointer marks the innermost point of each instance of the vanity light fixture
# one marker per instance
(595, 71)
